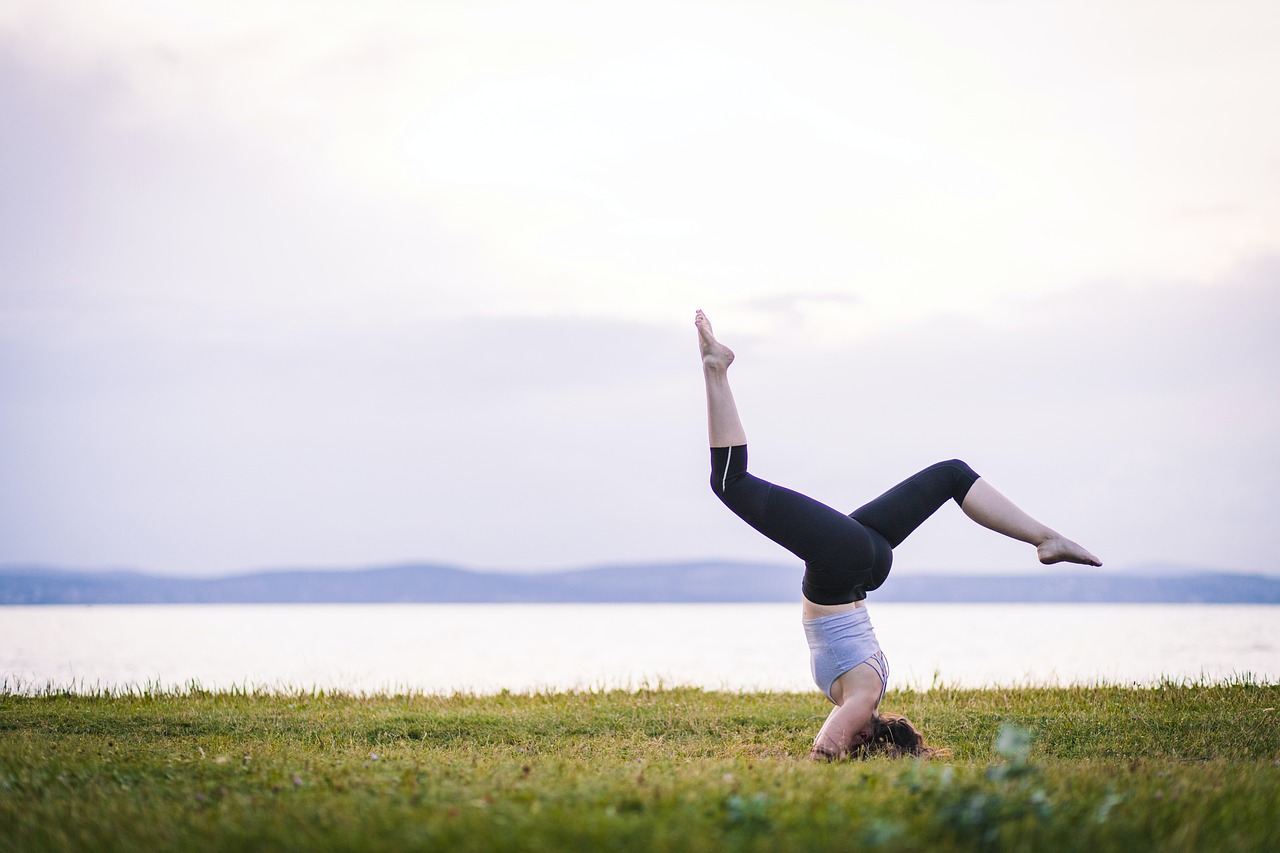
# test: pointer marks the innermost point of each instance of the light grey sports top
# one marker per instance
(838, 643)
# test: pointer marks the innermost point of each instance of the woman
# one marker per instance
(847, 555)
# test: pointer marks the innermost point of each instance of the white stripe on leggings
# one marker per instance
(725, 478)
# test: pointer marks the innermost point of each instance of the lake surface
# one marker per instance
(485, 648)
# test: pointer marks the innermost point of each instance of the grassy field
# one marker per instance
(1176, 767)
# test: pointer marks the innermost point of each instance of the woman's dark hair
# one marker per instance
(894, 736)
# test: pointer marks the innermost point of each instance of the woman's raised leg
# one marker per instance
(812, 531)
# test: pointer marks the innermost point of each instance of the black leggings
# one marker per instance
(844, 555)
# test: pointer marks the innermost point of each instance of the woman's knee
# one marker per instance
(964, 476)
(718, 484)
(728, 465)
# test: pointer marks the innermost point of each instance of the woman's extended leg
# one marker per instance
(899, 511)
(811, 530)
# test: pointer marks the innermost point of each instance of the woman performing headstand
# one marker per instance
(847, 555)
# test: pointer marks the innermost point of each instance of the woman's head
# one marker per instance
(894, 736)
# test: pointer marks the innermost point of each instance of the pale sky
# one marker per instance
(305, 284)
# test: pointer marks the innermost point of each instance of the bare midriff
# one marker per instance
(813, 610)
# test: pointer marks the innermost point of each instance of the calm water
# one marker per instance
(485, 648)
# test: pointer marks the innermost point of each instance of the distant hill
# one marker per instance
(667, 582)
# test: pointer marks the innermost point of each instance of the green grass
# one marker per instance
(1175, 767)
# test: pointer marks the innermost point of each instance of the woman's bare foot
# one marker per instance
(1059, 549)
(715, 355)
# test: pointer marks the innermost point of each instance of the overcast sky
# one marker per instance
(289, 284)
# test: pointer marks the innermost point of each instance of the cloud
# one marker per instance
(116, 231)
(1144, 428)
(214, 454)
(1139, 414)
(618, 157)
(368, 286)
